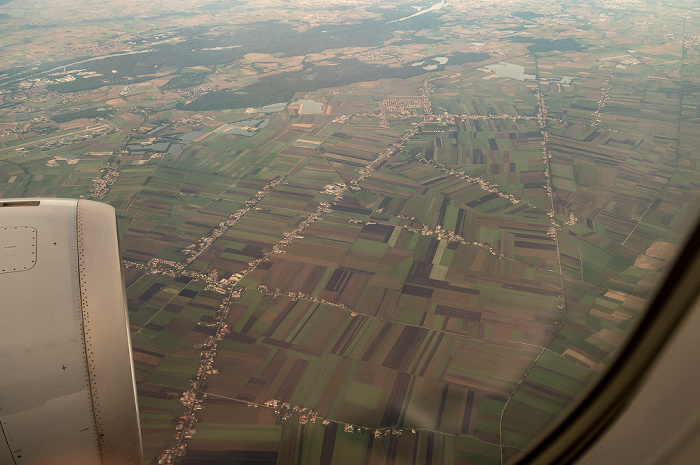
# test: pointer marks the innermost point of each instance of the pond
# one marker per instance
(308, 107)
(510, 70)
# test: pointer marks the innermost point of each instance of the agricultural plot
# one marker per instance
(494, 96)
(348, 373)
(428, 196)
(170, 318)
(503, 152)
(358, 234)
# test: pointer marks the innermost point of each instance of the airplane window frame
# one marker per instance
(598, 408)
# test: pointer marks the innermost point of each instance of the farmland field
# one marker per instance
(364, 232)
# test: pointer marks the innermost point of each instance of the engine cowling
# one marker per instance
(67, 391)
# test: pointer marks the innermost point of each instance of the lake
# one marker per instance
(512, 71)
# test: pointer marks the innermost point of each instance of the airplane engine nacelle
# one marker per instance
(67, 392)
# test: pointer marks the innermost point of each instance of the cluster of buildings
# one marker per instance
(185, 430)
(425, 97)
(101, 185)
(378, 433)
(39, 125)
(286, 411)
(449, 235)
(376, 53)
(485, 185)
(69, 139)
(35, 91)
(488, 187)
(406, 108)
(69, 76)
(298, 296)
(403, 109)
(195, 251)
(555, 227)
(306, 415)
(572, 220)
(542, 115)
(490, 116)
(88, 49)
(601, 103)
(194, 121)
(336, 189)
(195, 91)
(322, 17)
(691, 41)
(541, 110)
(175, 269)
(374, 164)
(24, 126)
(323, 207)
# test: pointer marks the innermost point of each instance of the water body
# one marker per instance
(159, 146)
(431, 63)
(154, 130)
(437, 6)
(190, 136)
(526, 15)
(156, 147)
(175, 148)
(309, 107)
(274, 107)
(511, 71)
(216, 49)
(243, 128)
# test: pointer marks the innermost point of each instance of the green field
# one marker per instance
(427, 265)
